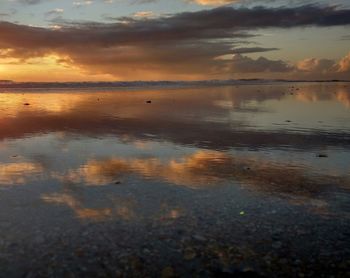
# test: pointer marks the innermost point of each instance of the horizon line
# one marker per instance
(12, 83)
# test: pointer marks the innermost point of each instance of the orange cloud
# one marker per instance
(316, 65)
(344, 64)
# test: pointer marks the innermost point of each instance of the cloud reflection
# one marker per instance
(77, 207)
(204, 169)
(209, 117)
(201, 170)
(18, 173)
(86, 209)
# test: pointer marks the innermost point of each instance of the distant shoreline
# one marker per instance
(8, 84)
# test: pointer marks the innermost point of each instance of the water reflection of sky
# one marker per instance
(263, 138)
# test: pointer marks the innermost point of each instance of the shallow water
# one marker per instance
(263, 168)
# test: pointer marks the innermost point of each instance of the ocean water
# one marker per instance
(263, 169)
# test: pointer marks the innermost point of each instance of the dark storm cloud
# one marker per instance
(30, 2)
(54, 13)
(345, 38)
(248, 65)
(224, 22)
(246, 50)
(185, 43)
(221, 22)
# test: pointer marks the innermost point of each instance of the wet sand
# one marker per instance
(241, 181)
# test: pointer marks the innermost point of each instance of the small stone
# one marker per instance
(283, 261)
(322, 155)
(118, 182)
(26, 104)
(39, 240)
(167, 272)
(79, 252)
(148, 101)
(199, 238)
(276, 236)
(267, 258)
(277, 245)
(189, 254)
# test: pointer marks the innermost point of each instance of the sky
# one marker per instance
(107, 40)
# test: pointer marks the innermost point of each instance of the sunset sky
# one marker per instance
(90, 40)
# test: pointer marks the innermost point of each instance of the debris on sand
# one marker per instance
(148, 101)
(322, 155)
(26, 104)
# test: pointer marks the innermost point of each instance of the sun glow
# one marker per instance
(51, 68)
